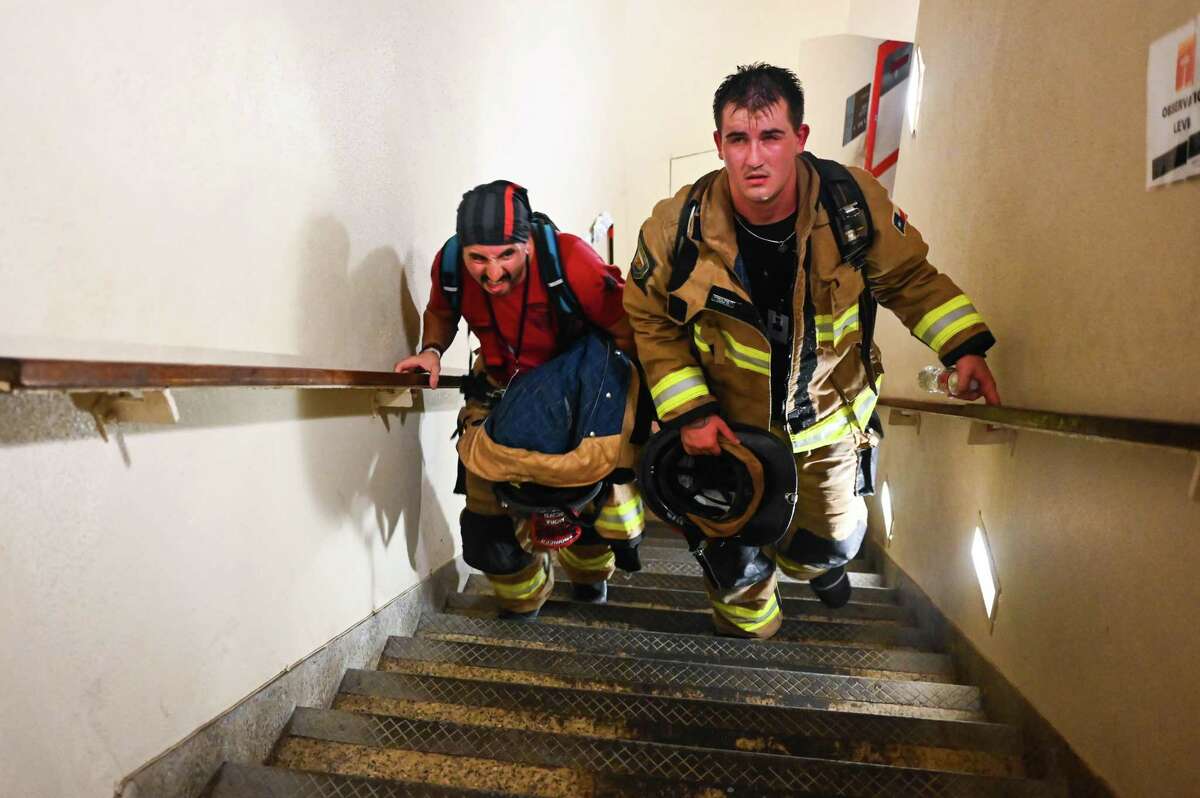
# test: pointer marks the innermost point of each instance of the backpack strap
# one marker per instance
(854, 230)
(450, 273)
(685, 252)
(545, 243)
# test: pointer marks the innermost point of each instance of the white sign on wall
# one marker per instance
(1173, 107)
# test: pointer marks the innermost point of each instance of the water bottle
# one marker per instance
(935, 379)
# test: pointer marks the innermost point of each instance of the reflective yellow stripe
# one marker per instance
(838, 425)
(930, 318)
(946, 321)
(747, 357)
(521, 590)
(628, 516)
(748, 620)
(787, 563)
(953, 329)
(597, 563)
(833, 331)
(678, 388)
(701, 344)
(632, 523)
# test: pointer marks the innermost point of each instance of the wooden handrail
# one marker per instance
(1170, 434)
(22, 374)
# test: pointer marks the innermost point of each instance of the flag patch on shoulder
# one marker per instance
(900, 220)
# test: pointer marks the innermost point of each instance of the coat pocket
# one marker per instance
(837, 314)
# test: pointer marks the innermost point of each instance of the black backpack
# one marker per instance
(849, 219)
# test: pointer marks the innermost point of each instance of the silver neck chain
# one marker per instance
(781, 243)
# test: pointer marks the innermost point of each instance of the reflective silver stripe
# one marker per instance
(682, 391)
(931, 334)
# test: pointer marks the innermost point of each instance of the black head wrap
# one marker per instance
(494, 213)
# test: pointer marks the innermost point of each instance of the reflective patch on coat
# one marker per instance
(899, 220)
(643, 265)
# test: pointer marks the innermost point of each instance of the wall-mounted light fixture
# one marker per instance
(885, 503)
(985, 570)
(916, 84)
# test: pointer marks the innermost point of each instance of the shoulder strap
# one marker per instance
(849, 215)
(545, 242)
(853, 230)
(685, 251)
(450, 273)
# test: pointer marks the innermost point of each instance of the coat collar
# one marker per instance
(717, 230)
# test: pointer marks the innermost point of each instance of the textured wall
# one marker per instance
(225, 183)
(1027, 177)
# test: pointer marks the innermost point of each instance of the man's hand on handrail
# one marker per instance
(429, 360)
(975, 380)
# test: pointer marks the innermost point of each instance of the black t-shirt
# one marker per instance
(768, 255)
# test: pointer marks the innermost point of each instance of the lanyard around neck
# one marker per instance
(516, 353)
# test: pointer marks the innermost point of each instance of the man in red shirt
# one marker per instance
(508, 307)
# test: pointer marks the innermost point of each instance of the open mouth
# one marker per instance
(495, 286)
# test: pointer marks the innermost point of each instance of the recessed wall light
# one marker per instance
(885, 502)
(985, 570)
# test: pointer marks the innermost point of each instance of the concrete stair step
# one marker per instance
(957, 746)
(863, 633)
(684, 679)
(574, 760)
(259, 781)
(804, 607)
(702, 649)
(789, 588)
(688, 567)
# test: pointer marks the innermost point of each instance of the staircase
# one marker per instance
(638, 698)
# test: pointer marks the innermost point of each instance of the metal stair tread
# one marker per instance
(681, 554)
(696, 722)
(789, 588)
(708, 648)
(699, 623)
(679, 764)
(725, 682)
(619, 594)
(263, 781)
(688, 567)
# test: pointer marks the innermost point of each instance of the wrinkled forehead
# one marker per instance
(492, 251)
(754, 117)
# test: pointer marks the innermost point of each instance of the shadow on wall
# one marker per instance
(360, 469)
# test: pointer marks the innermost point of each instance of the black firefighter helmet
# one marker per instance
(748, 491)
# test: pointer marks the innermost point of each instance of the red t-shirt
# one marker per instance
(597, 285)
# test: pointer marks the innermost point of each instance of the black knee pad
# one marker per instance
(730, 564)
(809, 549)
(490, 543)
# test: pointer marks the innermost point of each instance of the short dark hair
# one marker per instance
(758, 86)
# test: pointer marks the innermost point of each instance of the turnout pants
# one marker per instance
(827, 531)
(521, 574)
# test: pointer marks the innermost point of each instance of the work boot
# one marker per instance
(596, 593)
(519, 617)
(626, 558)
(832, 587)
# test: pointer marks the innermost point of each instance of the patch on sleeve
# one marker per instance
(643, 265)
(899, 220)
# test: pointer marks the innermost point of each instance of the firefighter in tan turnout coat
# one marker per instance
(766, 329)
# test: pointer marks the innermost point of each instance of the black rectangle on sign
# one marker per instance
(896, 68)
(1171, 159)
(857, 106)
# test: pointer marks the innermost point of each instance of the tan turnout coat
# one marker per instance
(702, 345)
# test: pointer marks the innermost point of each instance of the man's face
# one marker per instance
(496, 267)
(759, 150)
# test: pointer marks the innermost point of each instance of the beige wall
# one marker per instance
(1027, 177)
(211, 183)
